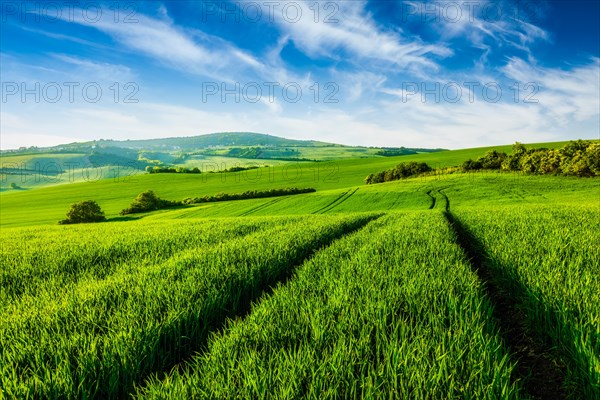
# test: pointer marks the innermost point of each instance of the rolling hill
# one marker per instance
(77, 162)
(473, 274)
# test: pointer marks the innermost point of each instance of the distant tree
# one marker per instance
(593, 158)
(513, 161)
(532, 160)
(401, 171)
(519, 149)
(551, 162)
(148, 201)
(573, 148)
(492, 160)
(84, 211)
(471, 165)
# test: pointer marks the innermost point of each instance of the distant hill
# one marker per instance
(211, 140)
(222, 139)
(84, 161)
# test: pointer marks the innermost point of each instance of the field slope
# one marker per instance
(449, 285)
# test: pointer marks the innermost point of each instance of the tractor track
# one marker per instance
(339, 200)
(261, 207)
(536, 366)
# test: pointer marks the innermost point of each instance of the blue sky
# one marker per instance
(382, 73)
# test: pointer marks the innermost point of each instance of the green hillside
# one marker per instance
(450, 284)
(222, 139)
(48, 205)
(34, 167)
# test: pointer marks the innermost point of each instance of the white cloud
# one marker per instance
(186, 50)
(355, 32)
(487, 25)
(366, 115)
(85, 69)
(565, 95)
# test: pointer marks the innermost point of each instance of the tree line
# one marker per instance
(149, 201)
(249, 194)
(172, 170)
(90, 211)
(401, 171)
(577, 158)
(183, 170)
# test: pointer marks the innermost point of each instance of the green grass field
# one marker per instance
(451, 285)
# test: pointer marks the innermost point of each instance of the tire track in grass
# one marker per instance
(340, 202)
(331, 202)
(260, 207)
(372, 316)
(536, 366)
(428, 193)
(342, 198)
(446, 199)
(165, 313)
(241, 304)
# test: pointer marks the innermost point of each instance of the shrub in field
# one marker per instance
(492, 160)
(551, 163)
(593, 156)
(402, 170)
(148, 201)
(582, 160)
(84, 211)
(471, 165)
(532, 160)
(172, 170)
(512, 162)
(578, 158)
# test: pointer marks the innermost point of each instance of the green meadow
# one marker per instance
(46, 205)
(447, 285)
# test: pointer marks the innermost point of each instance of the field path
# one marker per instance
(432, 199)
(536, 366)
(339, 200)
(276, 278)
(438, 197)
(261, 207)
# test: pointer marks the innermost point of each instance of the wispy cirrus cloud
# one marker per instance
(185, 49)
(355, 33)
(487, 25)
(566, 95)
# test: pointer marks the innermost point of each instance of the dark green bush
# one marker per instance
(402, 170)
(148, 201)
(82, 212)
